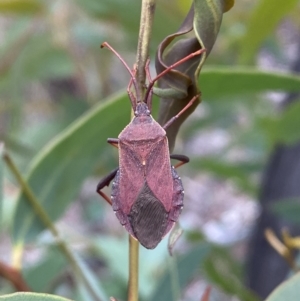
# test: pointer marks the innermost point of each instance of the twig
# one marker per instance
(147, 16)
(133, 269)
(146, 21)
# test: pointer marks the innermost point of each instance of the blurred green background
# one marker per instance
(61, 97)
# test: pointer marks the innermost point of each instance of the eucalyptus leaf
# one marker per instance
(283, 129)
(151, 262)
(228, 5)
(226, 81)
(21, 6)
(107, 10)
(40, 276)
(236, 172)
(59, 169)
(263, 21)
(288, 290)
(1, 181)
(187, 265)
(32, 297)
(41, 59)
(93, 282)
(223, 271)
(221, 82)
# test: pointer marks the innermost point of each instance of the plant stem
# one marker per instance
(147, 16)
(133, 282)
(146, 21)
(41, 213)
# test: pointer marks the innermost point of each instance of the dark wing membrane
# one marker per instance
(131, 177)
(158, 173)
(148, 218)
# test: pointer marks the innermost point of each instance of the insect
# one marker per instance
(147, 193)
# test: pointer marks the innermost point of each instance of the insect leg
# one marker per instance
(191, 55)
(148, 71)
(113, 141)
(190, 103)
(105, 182)
(182, 158)
(149, 98)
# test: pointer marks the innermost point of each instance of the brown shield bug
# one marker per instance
(147, 193)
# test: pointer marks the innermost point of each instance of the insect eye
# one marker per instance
(148, 112)
(135, 113)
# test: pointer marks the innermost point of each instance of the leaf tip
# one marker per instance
(228, 4)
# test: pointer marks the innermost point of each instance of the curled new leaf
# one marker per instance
(178, 86)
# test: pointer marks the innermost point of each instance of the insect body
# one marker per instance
(147, 193)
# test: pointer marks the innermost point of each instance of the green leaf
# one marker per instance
(263, 21)
(288, 209)
(284, 128)
(227, 81)
(187, 266)
(151, 262)
(41, 59)
(1, 181)
(41, 276)
(288, 290)
(223, 271)
(237, 172)
(93, 281)
(32, 297)
(228, 4)
(21, 6)
(130, 18)
(59, 169)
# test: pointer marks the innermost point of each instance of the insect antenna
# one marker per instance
(151, 84)
(133, 79)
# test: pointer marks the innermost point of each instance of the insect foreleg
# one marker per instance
(149, 98)
(190, 103)
(105, 182)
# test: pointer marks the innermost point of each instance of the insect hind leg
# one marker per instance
(182, 158)
(105, 182)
